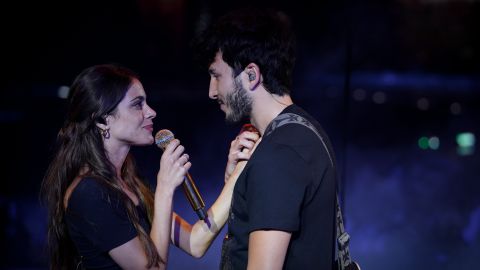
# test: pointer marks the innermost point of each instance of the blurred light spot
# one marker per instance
(423, 143)
(63, 91)
(379, 97)
(466, 143)
(434, 143)
(456, 108)
(466, 139)
(465, 151)
(423, 104)
(359, 94)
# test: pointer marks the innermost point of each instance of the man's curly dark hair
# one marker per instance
(260, 36)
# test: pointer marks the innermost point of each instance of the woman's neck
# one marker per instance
(116, 155)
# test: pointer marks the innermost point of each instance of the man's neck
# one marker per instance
(266, 108)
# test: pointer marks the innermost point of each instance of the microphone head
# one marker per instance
(163, 138)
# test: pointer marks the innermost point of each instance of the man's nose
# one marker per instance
(212, 90)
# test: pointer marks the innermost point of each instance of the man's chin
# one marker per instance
(233, 119)
(230, 121)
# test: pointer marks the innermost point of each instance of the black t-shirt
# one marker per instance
(97, 223)
(287, 185)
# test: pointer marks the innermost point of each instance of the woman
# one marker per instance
(101, 215)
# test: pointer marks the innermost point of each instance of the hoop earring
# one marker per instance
(105, 133)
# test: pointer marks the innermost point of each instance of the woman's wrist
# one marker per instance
(164, 191)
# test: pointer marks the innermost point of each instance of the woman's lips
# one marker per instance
(148, 127)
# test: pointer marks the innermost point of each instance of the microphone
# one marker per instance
(162, 139)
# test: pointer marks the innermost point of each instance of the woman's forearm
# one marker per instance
(204, 232)
(160, 232)
(173, 167)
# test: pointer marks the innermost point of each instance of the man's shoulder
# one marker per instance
(293, 123)
(298, 131)
(293, 134)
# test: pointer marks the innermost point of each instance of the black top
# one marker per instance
(287, 185)
(97, 223)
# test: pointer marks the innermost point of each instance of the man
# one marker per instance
(283, 208)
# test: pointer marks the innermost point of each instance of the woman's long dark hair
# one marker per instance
(95, 93)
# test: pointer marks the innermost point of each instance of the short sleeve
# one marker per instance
(99, 216)
(276, 189)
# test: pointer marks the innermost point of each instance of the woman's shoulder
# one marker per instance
(88, 186)
(89, 192)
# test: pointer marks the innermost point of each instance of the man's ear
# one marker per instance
(254, 76)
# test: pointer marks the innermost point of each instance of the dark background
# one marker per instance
(378, 75)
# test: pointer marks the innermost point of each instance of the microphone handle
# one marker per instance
(194, 197)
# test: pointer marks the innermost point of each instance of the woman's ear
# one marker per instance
(101, 126)
(104, 130)
(106, 120)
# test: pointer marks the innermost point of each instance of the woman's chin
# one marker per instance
(150, 141)
(147, 141)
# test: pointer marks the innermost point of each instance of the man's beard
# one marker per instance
(239, 103)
